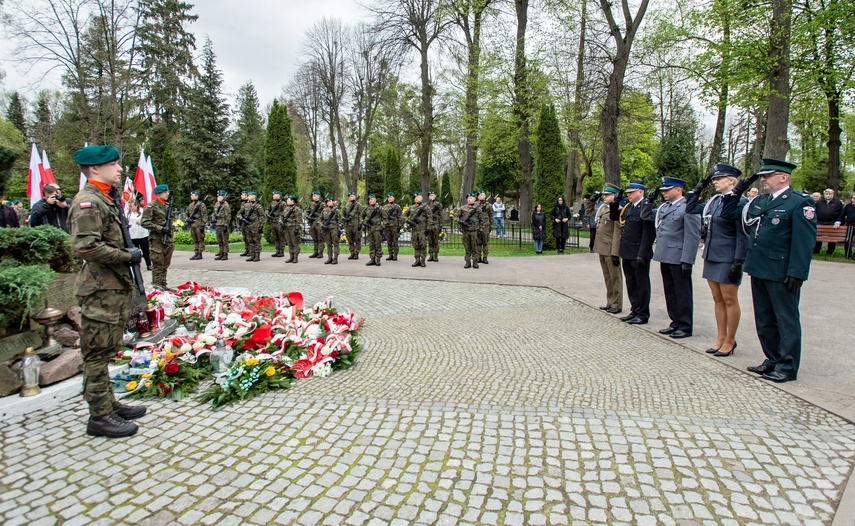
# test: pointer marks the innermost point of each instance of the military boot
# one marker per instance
(295, 258)
(195, 256)
(422, 261)
(371, 263)
(328, 261)
(225, 257)
(335, 260)
(128, 412)
(111, 426)
(350, 256)
(200, 255)
(290, 257)
(256, 257)
(484, 260)
(416, 263)
(356, 256)
(395, 257)
(390, 258)
(244, 253)
(377, 261)
(218, 256)
(474, 264)
(468, 264)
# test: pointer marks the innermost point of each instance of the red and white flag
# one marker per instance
(150, 171)
(144, 180)
(34, 177)
(128, 193)
(82, 177)
(47, 173)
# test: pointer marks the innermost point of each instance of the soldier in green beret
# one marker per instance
(485, 220)
(103, 287)
(159, 237)
(220, 219)
(313, 214)
(352, 218)
(418, 219)
(470, 226)
(253, 221)
(434, 227)
(329, 227)
(372, 224)
(292, 227)
(197, 218)
(240, 218)
(274, 211)
(392, 215)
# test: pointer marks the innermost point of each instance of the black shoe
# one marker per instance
(256, 257)
(484, 261)
(225, 257)
(778, 377)
(328, 261)
(762, 369)
(218, 257)
(681, 334)
(295, 258)
(726, 353)
(110, 426)
(612, 310)
(377, 261)
(356, 256)
(628, 317)
(290, 259)
(416, 263)
(316, 255)
(370, 263)
(712, 350)
(195, 256)
(667, 330)
(474, 264)
(422, 262)
(243, 254)
(128, 412)
(637, 321)
(350, 256)
(334, 261)
(607, 307)
(395, 257)
(467, 265)
(390, 258)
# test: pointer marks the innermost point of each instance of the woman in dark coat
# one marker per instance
(725, 246)
(538, 228)
(560, 224)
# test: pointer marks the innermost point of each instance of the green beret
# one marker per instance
(390, 194)
(194, 192)
(431, 192)
(481, 192)
(611, 189)
(471, 194)
(244, 192)
(277, 192)
(96, 155)
(251, 193)
(417, 194)
(372, 196)
(350, 194)
(159, 189)
(777, 165)
(329, 198)
(316, 192)
(222, 193)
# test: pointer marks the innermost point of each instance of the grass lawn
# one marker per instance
(496, 250)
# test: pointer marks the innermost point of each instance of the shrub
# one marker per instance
(183, 237)
(40, 245)
(22, 288)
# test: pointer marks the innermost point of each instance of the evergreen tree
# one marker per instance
(205, 140)
(413, 185)
(446, 195)
(280, 171)
(373, 179)
(15, 113)
(549, 166)
(675, 156)
(159, 146)
(42, 126)
(249, 138)
(392, 173)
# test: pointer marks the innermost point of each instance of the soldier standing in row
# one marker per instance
(470, 226)
(197, 218)
(418, 220)
(239, 217)
(274, 210)
(313, 213)
(292, 227)
(329, 226)
(392, 213)
(154, 219)
(352, 220)
(253, 220)
(220, 220)
(103, 287)
(485, 219)
(434, 227)
(372, 223)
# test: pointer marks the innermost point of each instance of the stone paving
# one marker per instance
(470, 404)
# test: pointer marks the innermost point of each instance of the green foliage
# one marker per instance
(446, 196)
(280, 172)
(160, 147)
(12, 149)
(42, 245)
(173, 386)
(549, 166)
(498, 164)
(246, 379)
(392, 174)
(249, 138)
(22, 289)
(675, 156)
(636, 136)
(16, 114)
(183, 237)
(373, 178)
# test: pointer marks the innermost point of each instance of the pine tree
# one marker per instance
(205, 140)
(373, 178)
(159, 146)
(280, 170)
(392, 173)
(42, 126)
(549, 167)
(15, 113)
(250, 138)
(445, 192)
(413, 185)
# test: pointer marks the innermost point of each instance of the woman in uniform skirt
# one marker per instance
(725, 245)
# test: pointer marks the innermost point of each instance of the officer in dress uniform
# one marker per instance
(392, 214)
(435, 226)
(103, 287)
(352, 220)
(679, 234)
(636, 250)
(274, 211)
(292, 227)
(781, 227)
(159, 237)
(253, 221)
(197, 218)
(607, 245)
(470, 227)
(220, 219)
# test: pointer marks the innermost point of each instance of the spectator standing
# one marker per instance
(752, 193)
(51, 210)
(847, 220)
(139, 235)
(589, 209)
(499, 217)
(607, 247)
(538, 228)
(725, 246)
(561, 228)
(828, 210)
(8, 215)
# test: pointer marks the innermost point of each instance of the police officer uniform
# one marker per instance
(352, 219)
(373, 218)
(197, 218)
(678, 235)
(607, 245)
(274, 210)
(781, 231)
(220, 220)
(159, 237)
(726, 243)
(636, 250)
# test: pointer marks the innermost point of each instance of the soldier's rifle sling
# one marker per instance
(328, 222)
(168, 216)
(370, 220)
(350, 213)
(284, 220)
(414, 221)
(313, 215)
(126, 237)
(472, 213)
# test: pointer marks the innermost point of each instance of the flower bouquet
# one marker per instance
(248, 377)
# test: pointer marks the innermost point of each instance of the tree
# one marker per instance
(445, 191)
(623, 39)
(373, 178)
(392, 173)
(498, 164)
(522, 108)
(15, 113)
(249, 137)
(306, 95)
(43, 123)
(778, 115)
(549, 165)
(675, 156)
(160, 146)
(280, 172)
(11, 148)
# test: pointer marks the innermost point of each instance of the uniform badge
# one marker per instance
(776, 220)
(810, 212)
(87, 204)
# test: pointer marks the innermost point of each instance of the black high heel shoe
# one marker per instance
(712, 350)
(719, 353)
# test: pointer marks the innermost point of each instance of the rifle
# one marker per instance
(272, 217)
(313, 215)
(140, 297)
(465, 222)
(193, 218)
(415, 220)
(328, 223)
(169, 217)
(216, 217)
(349, 215)
(370, 221)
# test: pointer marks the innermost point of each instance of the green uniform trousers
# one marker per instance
(392, 239)
(375, 243)
(419, 244)
(354, 238)
(278, 236)
(161, 258)
(223, 239)
(331, 240)
(317, 234)
(198, 235)
(432, 235)
(103, 316)
(291, 233)
(470, 245)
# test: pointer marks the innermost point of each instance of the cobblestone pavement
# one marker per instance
(452, 415)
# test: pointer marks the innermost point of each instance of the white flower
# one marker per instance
(232, 319)
(323, 369)
(212, 328)
(199, 344)
(210, 340)
(313, 331)
(186, 347)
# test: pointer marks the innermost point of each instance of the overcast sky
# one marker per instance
(256, 40)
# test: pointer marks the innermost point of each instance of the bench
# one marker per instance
(829, 234)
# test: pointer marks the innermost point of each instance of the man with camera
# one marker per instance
(51, 210)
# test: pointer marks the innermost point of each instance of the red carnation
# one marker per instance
(170, 368)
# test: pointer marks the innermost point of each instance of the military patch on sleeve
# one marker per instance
(810, 212)
(86, 204)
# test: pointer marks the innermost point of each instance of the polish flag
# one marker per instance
(144, 180)
(82, 177)
(34, 177)
(47, 173)
(128, 193)
(150, 171)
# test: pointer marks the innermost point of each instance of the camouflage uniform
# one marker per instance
(470, 226)
(221, 218)
(312, 214)
(23, 216)
(103, 290)
(329, 226)
(372, 219)
(274, 212)
(239, 217)
(154, 219)
(418, 220)
(392, 213)
(292, 229)
(197, 218)
(253, 220)
(433, 229)
(352, 227)
(485, 219)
